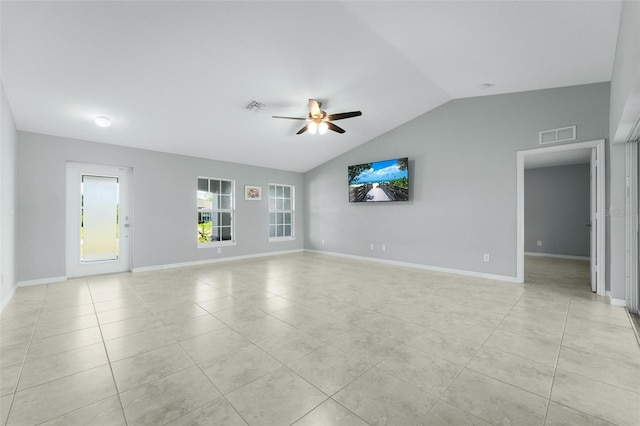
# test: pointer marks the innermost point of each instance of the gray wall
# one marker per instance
(8, 148)
(463, 180)
(164, 204)
(556, 209)
(625, 97)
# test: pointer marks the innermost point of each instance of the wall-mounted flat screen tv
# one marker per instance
(379, 181)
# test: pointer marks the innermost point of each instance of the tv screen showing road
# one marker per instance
(379, 181)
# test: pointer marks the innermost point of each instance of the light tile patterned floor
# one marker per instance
(308, 339)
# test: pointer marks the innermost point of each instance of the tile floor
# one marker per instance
(308, 339)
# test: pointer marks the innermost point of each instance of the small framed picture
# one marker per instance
(252, 192)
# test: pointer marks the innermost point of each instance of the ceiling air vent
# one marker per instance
(562, 134)
(254, 106)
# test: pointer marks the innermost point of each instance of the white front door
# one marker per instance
(98, 219)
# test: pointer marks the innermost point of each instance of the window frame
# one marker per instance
(292, 211)
(212, 212)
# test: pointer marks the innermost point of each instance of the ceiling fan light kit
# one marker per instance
(320, 121)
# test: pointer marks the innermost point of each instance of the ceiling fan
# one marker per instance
(320, 121)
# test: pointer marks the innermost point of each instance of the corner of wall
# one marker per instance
(8, 171)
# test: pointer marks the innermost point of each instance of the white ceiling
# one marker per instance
(175, 76)
(558, 158)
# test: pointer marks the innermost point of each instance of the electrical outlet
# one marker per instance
(383, 247)
(539, 243)
(486, 257)
(371, 246)
(219, 250)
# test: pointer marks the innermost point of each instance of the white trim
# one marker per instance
(614, 301)
(213, 244)
(632, 204)
(617, 302)
(599, 145)
(41, 281)
(208, 261)
(7, 299)
(559, 256)
(419, 266)
(281, 239)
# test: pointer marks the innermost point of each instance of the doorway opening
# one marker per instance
(591, 152)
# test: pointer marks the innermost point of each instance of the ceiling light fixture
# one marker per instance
(102, 121)
(319, 121)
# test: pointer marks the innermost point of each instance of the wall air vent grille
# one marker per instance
(562, 134)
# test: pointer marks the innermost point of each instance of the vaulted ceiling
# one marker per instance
(176, 76)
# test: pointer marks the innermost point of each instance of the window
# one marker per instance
(215, 211)
(281, 212)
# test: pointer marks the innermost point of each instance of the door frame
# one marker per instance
(599, 146)
(632, 226)
(73, 202)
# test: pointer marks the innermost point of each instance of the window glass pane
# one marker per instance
(225, 202)
(226, 233)
(215, 233)
(287, 204)
(204, 200)
(272, 231)
(214, 186)
(204, 216)
(272, 218)
(204, 232)
(280, 218)
(278, 191)
(272, 203)
(272, 190)
(214, 204)
(287, 230)
(280, 230)
(100, 218)
(226, 187)
(280, 204)
(226, 219)
(287, 219)
(203, 185)
(287, 192)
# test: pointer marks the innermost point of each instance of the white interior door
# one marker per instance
(98, 219)
(593, 223)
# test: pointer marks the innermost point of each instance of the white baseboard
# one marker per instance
(7, 299)
(208, 261)
(558, 256)
(420, 266)
(617, 302)
(41, 281)
(613, 301)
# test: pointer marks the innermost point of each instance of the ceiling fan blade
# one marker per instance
(304, 129)
(289, 118)
(335, 128)
(343, 115)
(314, 108)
